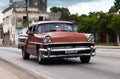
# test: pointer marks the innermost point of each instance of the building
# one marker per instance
(15, 19)
(1, 34)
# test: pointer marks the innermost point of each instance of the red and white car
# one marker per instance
(56, 39)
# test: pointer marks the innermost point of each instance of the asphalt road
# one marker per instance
(105, 65)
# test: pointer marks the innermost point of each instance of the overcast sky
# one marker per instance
(75, 6)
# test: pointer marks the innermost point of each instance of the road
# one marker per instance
(105, 65)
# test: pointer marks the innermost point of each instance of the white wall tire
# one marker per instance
(25, 55)
(40, 59)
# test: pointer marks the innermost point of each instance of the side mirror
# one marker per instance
(30, 33)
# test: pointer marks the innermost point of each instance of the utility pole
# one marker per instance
(26, 1)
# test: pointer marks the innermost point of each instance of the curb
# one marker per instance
(108, 47)
(28, 72)
(34, 74)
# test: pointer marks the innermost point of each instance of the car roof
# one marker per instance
(42, 22)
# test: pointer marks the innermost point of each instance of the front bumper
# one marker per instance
(71, 52)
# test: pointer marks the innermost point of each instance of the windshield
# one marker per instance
(49, 27)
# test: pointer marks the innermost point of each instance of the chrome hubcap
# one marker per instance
(39, 57)
(23, 54)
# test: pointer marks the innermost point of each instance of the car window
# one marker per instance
(32, 28)
(49, 27)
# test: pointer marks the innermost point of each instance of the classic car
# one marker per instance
(56, 39)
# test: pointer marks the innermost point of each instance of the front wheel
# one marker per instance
(85, 59)
(40, 59)
(25, 55)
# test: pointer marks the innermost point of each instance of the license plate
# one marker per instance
(73, 51)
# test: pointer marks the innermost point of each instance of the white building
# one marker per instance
(14, 21)
(1, 34)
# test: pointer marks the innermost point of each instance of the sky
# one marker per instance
(74, 6)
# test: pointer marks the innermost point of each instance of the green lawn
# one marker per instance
(104, 44)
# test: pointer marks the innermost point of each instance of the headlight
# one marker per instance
(47, 39)
(90, 37)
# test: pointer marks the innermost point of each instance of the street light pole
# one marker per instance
(26, 1)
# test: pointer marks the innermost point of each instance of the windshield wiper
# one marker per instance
(60, 30)
(51, 30)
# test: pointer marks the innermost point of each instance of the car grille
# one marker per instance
(66, 47)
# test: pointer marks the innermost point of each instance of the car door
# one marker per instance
(31, 45)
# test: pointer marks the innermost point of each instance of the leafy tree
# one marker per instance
(96, 13)
(113, 9)
(74, 17)
(64, 12)
(116, 6)
(115, 25)
(88, 24)
(103, 21)
(95, 22)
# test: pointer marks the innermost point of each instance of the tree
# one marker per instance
(116, 6)
(115, 25)
(95, 22)
(88, 24)
(74, 17)
(64, 12)
(103, 21)
(113, 9)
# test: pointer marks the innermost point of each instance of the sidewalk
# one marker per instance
(6, 74)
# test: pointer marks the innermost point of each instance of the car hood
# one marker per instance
(66, 37)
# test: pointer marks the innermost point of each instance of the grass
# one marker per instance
(104, 44)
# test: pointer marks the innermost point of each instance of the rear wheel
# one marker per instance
(25, 55)
(85, 59)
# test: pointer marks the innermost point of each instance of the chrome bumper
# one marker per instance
(49, 50)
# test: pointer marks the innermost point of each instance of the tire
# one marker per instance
(40, 59)
(25, 55)
(85, 59)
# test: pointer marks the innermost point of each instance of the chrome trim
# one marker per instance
(71, 49)
(69, 55)
(68, 43)
(21, 43)
(48, 41)
(49, 50)
(23, 37)
(34, 42)
(60, 43)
